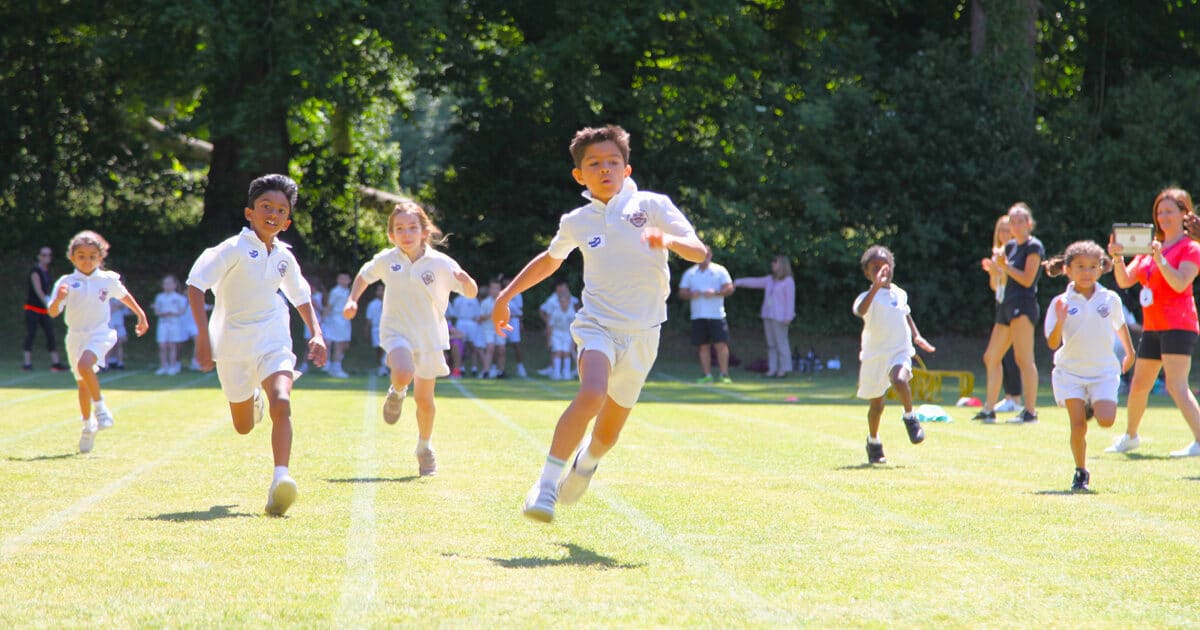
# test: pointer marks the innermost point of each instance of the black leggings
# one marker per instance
(1012, 374)
(32, 321)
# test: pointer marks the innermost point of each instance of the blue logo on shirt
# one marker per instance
(595, 241)
(254, 253)
(1073, 310)
(396, 266)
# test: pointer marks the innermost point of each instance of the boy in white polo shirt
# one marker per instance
(1080, 325)
(624, 235)
(888, 336)
(247, 338)
(705, 287)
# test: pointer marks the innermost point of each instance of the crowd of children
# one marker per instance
(625, 236)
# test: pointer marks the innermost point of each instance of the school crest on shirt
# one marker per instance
(1103, 310)
(397, 266)
(427, 278)
(254, 253)
(282, 268)
(638, 218)
(103, 294)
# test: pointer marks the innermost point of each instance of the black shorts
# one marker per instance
(1156, 343)
(706, 331)
(1024, 306)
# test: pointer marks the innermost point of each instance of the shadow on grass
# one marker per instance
(1065, 493)
(373, 479)
(869, 466)
(213, 513)
(1141, 456)
(576, 556)
(43, 458)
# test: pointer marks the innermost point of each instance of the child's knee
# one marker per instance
(1106, 422)
(280, 408)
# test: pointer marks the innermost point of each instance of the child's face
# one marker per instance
(562, 290)
(1084, 271)
(406, 233)
(270, 215)
(493, 288)
(86, 258)
(1018, 225)
(873, 268)
(1003, 233)
(169, 285)
(602, 170)
(379, 291)
(343, 280)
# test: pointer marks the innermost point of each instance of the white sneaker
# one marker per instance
(104, 417)
(260, 405)
(1192, 450)
(546, 370)
(194, 365)
(161, 371)
(393, 404)
(338, 372)
(539, 503)
(572, 487)
(426, 463)
(281, 495)
(521, 371)
(87, 439)
(1124, 444)
(493, 372)
(1006, 405)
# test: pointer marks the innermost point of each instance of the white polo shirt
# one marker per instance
(465, 311)
(415, 297)
(696, 280)
(885, 324)
(552, 302)
(245, 278)
(1088, 333)
(86, 308)
(625, 282)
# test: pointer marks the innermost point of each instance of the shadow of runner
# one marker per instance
(576, 556)
(43, 458)
(213, 513)
(373, 479)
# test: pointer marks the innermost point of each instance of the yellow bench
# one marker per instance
(926, 384)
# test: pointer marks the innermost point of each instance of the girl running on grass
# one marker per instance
(1079, 327)
(412, 328)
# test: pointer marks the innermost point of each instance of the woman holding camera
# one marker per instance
(1170, 323)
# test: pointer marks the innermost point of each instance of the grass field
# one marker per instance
(721, 506)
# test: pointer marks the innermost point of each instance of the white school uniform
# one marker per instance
(116, 320)
(466, 318)
(625, 281)
(886, 340)
(336, 328)
(516, 309)
(87, 313)
(414, 305)
(1085, 366)
(248, 342)
(487, 332)
(559, 321)
(171, 326)
(374, 313)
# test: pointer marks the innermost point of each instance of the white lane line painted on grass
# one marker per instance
(56, 391)
(74, 420)
(359, 587)
(757, 607)
(19, 379)
(52, 523)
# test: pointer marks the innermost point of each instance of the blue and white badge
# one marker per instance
(1146, 297)
(596, 241)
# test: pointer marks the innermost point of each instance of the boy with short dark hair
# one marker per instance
(247, 338)
(888, 336)
(624, 235)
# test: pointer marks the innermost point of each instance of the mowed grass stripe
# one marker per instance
(755, 607)
(359, 585)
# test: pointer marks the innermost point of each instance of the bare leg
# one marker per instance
(900, 377)
(594, 370)
(607, 430)
(874, 413)
(1078, 416)
(1145, 372)
(426, 407)
(87, 371)
(1177, 367)
(706, 358)
(723, 358)
(1022, 343)
(998, 345)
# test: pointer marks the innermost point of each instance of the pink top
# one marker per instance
(779, 296)
(1171, 309)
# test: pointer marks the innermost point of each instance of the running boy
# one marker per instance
(84, 296)
(1079, 326)
(413, 330)
(624, 235)
(888, 336)
(246, 337)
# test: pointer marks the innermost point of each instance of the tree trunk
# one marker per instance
(978, 28)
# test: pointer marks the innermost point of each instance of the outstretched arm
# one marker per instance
(142, 324)
(541, 267)
(203, 345)
(350, 308)
(918, 340)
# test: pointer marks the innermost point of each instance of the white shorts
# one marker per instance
(426, 365)
(336, 329)
(469, 328)
(873, 375)
(630, 353)
(239, 379)
(514, 335)
(99, 342)
(170, 330)
(122, 332)
(1089, 390)
(560, 340)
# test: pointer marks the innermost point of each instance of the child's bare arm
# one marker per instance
(350, 308)
(55, 305)
(142, 324)
(918, 340)
(1126, 343)
(203, 345)
(1054, 337)
(541, 267)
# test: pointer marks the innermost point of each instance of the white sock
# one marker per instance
(873, 440)
(280, 472)
(552, 471)
(587, 462)
(98, 403)
(908, 415)
(558, 366)
(424, 445)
